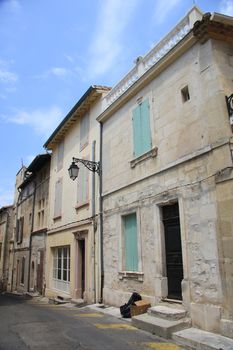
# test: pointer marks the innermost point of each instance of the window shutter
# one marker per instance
(131, 243)
(145, 126)
(141, 129)
(60, 155)
(84, 131)
(58, 198)
(83, 185)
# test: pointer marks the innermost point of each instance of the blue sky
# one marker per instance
(51, 51)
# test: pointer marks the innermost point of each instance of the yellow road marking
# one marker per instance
(89, 315)
(161, 346)
(115, 326)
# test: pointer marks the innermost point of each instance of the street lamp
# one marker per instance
(90, 165)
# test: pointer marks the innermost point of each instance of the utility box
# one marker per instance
(139, 307)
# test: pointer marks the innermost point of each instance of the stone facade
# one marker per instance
(73, 267)
(6, 232)
(189, 167)
(30, 226)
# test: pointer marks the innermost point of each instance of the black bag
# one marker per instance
(125, 309)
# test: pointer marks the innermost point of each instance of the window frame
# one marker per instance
(59, 281)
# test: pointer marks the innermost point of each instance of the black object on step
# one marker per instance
(125, 309)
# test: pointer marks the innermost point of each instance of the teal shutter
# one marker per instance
(141, 129)
(131, 243)
(145, 126)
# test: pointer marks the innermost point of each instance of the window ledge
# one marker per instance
(150, 154)
(131, 275)
(58, 217)
(82, 205)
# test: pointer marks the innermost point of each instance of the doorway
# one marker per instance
(173, 250)
(81, 267)
(40, 271)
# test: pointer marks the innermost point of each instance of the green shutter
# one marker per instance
(131, 243)
(141, 129)
(145, 126)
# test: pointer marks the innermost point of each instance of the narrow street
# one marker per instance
(28, 324)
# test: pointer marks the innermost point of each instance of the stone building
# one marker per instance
(6, 244)
(73, 267)
(168, 175)
(31, 211)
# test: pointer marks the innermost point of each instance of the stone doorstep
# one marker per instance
(196, 339)
(167, 313)
(159, 326)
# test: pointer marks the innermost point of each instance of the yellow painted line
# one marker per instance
(89, 315)
(161, 346)
(115, 326)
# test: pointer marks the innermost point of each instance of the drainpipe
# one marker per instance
(5, 244)
(14, 237)
(30, 241)
(94, 221)
(101, 216)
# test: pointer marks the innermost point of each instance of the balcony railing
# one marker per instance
(142, 64)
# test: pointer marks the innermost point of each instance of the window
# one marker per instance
(22, 270)
(130, 242)
(84, 131)
(185, 94)
(60, 155)
(61, 268)
(40, 213)
(58, 198)
(83, 186)
(141, 128)
(19, 229)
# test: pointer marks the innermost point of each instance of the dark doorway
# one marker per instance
(40, 271)
(81, 243)
(174, 263)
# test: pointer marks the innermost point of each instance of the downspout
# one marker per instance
(94, 220)
(101, 216)
(5, 241)
(30, 241)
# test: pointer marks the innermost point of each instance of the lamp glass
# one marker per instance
(73, 171)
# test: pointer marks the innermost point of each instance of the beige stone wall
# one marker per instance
(193, 140)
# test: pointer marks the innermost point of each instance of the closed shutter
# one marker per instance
(84, 131)
(58, 198)
(83, 185)
(60, 155)
(131, 242)
(141, 129)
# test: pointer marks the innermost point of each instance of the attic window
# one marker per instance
(185, 94)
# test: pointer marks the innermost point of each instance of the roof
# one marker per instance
(81, 107)
(38, 162)
(6, 207)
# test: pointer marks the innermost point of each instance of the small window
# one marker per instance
(185, 94)
(60, 155)
(84, 131)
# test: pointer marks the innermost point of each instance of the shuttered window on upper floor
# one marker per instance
(58, 199)
(130, 242)
(83, 185)
(141, 128)
(84, 131)
(60, 155)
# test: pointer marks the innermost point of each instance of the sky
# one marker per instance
(51, 51)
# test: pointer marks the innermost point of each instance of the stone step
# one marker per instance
(197, 339)
(168, 313)
(159, 326)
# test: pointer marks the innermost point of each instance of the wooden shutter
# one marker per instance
(131, 242)
(58, 198)
(60, 155)
(83, 185)
(141, 129)
(84, 131)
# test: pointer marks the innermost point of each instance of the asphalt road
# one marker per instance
(29, 324)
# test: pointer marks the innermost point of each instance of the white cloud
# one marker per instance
(226, 7)
(60, 72)
(7, 77)
(43, 121)
(106, 45)
(162, 8)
